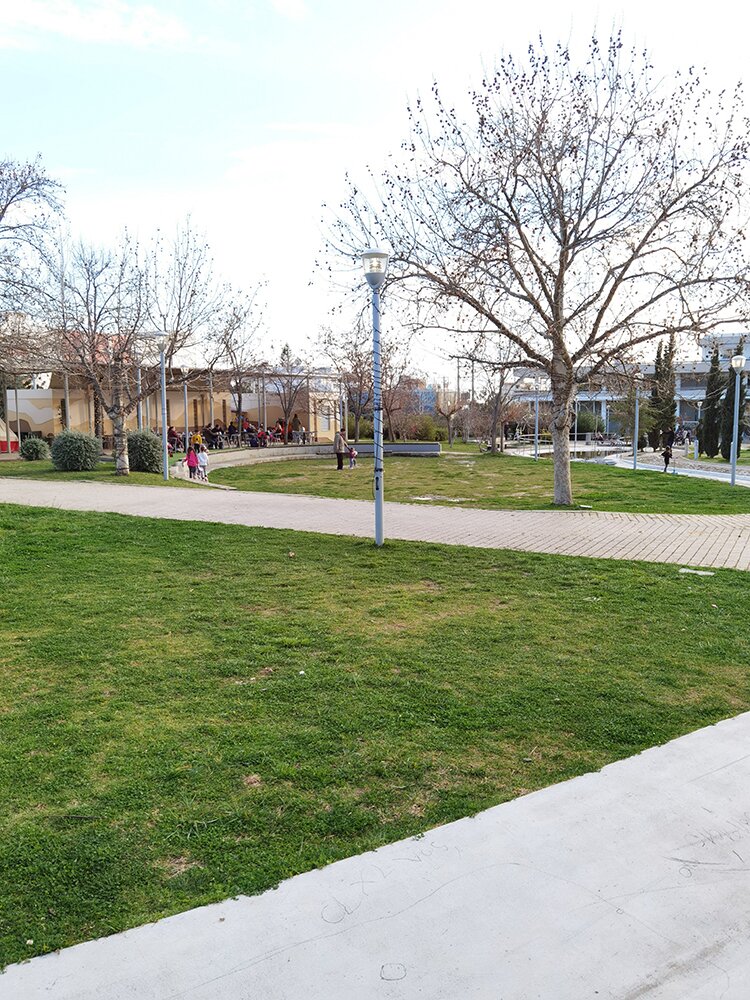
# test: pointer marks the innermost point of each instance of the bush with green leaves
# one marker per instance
(34, 449)
(74, 451)
(144, 451)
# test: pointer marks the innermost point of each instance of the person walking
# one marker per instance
(667, 456)
(341, 448)
(203, 464)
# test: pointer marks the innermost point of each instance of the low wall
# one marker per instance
(222, 458)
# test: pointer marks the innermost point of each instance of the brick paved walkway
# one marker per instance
(688, 539)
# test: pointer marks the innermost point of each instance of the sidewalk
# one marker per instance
(627, 883)
(688, 539)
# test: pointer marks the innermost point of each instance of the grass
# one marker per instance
(265, 702)
(105, 473)
(494, 482)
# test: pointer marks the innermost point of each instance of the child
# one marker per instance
(203, 464)
(191, 460)
(352, 457)
(666, 455)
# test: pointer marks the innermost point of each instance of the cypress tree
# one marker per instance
(711, 417)
(727, 411)
(655, 430)
(667, 401)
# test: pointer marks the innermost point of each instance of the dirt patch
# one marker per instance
(172, 867)
(252, 780)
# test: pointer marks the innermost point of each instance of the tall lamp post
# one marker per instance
(637, 378)
(375, 264)
(536, 419)
(738, 363)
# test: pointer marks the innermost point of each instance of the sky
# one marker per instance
(247, 115)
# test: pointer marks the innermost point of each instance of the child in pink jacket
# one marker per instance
(192, 461)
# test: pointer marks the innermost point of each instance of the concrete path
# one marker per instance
(630, 883)
(688, 539)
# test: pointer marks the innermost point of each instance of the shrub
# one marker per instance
(588, 422)
(424, 428)
(34, 449)
(144, 451)
(74, 451)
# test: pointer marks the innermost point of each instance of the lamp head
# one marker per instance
(375, 265)
(158, 340)
(738, 362)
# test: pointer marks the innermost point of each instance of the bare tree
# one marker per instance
(29, 202)
(234, 341)
(96, 305)
(448, 404)
(397, 383)
(578, 212)
(288, 381)
(351, 357)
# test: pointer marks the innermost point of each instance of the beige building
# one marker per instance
(194, 400)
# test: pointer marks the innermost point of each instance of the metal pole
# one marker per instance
(265, 403)
(735, 425)
(164, 446)
(210, 399)
(7, 419)
(148, 412)
(378, 417)
(66, 391)
(635, 431)
(575, 432)
(18, 417)
(536, 421)
(185, 404)
(139, 404)
(696, 448)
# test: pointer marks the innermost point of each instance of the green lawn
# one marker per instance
(105, 473)
(493, 481)
(263, 702)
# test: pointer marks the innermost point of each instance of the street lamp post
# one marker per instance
(637, 414)
(738, 363)
(575, 432)
(160, 341)
(536, 419)
(696, 447)
(375, 264)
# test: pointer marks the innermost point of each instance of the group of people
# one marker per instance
(253, 435)
(196, 460)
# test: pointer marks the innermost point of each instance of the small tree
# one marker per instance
(351, 357)
(288, 381)
(727, 411)
(710, 425)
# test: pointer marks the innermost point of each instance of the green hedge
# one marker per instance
(144, 452)
(74, 451)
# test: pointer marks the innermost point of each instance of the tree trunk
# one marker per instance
(562, 395)
(356, 428)
(493, 428)
(98, 418)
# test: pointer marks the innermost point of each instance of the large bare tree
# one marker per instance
(576, 210)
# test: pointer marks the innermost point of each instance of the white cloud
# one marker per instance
(22, 22)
